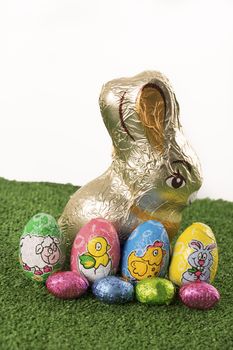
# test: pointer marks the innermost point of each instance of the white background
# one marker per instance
(55, 56)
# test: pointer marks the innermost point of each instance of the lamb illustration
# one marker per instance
(39, 253)
(200, 260)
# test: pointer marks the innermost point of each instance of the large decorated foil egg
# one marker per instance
(66, 285)
(155, 290)
(96, 250)
(41, 248)
(146, 252)
(195, 256)
(113, 289)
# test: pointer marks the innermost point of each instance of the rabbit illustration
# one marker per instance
(200, 261)
(154, 172)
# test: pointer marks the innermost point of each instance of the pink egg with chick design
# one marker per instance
(96, 250)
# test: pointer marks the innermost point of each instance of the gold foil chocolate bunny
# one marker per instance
(154, 172)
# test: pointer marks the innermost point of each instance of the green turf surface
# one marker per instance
(33, 319)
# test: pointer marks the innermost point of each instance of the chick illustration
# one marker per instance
(96, 254)
(149, 264)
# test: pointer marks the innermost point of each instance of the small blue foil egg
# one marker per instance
(146, 252)
(112, 290)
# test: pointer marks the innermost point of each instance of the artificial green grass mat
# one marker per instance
(33, 319)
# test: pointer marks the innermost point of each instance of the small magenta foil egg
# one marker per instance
(66, 285)
(199, 295)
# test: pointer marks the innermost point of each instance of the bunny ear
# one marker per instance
(151, 108)
(211, 246)
(140, 111)
(196, 245)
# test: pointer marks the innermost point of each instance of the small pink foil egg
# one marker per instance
(66, 285)
(199, 295)
(96, 250)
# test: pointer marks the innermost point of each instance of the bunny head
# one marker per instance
(141, 115)
(202, 256)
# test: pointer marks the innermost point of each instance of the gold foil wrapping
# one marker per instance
(154, 172)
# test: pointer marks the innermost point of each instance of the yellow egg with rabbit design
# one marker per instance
(195, 256)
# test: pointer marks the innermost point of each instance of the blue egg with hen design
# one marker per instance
(146, 252)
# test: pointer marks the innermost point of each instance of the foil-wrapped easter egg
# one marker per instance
(155, 290)
(41, 248)
(96, 250)
(146, 252)
(113, 289)
(199, 295)
(195, 256)
(66, 285)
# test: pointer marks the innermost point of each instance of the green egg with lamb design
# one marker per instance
(41, 248)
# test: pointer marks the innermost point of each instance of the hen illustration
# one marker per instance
(149, 264)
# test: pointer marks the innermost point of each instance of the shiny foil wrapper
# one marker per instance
(67, 285)
(113, 290)
(154, 173)
(199, 295)
(155, 290)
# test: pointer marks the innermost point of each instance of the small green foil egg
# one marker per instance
(155, 290)
(41, 247)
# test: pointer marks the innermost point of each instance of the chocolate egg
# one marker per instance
(146, 252)
(155, 290)
(113, 289)
(42, 248)
(199, 295)
(195, 256)
(66, 285)
(96, 250)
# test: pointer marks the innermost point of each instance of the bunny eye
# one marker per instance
(204, 256)
(199, 256)
(176, 181)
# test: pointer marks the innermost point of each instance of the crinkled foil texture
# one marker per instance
(154, 173)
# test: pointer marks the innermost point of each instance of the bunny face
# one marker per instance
(141, 115)
(202, 256)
